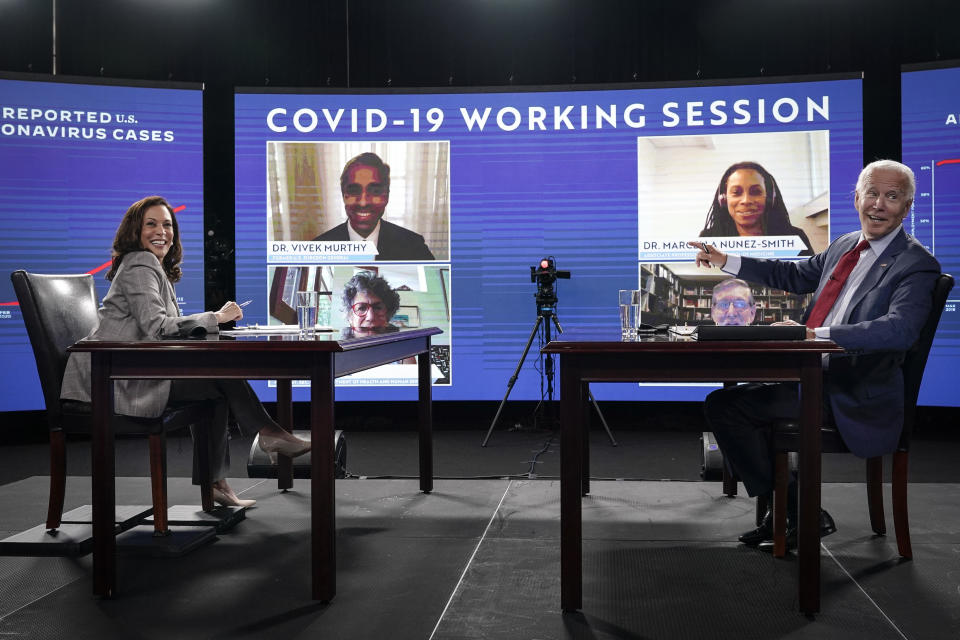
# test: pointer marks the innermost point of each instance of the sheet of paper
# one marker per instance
(270, 328)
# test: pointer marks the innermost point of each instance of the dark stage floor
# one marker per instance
(479, 557)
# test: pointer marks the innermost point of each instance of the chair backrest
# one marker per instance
(915, 359)
(57, 310)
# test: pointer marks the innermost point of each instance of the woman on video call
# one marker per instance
(142, 305)
(368, 304)
(748, 203)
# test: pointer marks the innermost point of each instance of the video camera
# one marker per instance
(545, 274)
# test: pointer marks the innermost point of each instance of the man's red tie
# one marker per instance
(834, 285)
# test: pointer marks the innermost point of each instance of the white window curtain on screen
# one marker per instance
(278, 208)
(299, 200)
(426, 195)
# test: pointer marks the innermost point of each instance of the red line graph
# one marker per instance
(95, 269)
(950, 161)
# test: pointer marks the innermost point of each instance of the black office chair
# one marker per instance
(59, 310)
(787, 438)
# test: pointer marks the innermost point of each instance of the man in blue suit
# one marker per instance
(365, 187)
(873, 294)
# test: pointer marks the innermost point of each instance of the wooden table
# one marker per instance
(282, 358)
(603, 357)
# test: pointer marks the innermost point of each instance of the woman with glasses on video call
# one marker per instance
(369, 303)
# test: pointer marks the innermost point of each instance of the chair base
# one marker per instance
(74, 536)
(189, 527)
(874, 501)
(125, 515)
(142, 541)
(221, 518)
(70, 540)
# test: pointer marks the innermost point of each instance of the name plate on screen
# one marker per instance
(671, 249)
(319, 251)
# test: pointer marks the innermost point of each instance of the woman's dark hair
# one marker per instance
(127, 239)
(776, 220)
(373, 284)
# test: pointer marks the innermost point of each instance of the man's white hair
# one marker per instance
(906, 175)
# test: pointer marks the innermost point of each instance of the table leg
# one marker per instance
(425, 411)
(322, 514)
(571, 457)
(729, 480)
(102, 476)
(585, 438)
(808, 528)
(285, 419)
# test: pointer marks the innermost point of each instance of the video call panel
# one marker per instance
(931, 147)
(74, 155)
(608, 182)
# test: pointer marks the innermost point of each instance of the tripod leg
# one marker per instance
(513, 379)
(602, 419)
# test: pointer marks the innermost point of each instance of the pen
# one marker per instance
(243, 304)
(706, 250)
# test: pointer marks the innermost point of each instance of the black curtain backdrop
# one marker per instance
(468, 43)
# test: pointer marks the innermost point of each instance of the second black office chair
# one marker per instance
(786, 438)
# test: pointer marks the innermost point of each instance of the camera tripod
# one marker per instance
(545, 315)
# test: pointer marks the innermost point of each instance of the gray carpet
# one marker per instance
(480, 559)
(641, 455)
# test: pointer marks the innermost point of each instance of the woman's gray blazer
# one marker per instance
(140, 305)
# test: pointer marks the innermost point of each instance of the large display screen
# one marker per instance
(608, 183)
(74, 155)
(931, 147)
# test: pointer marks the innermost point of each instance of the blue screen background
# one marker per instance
(518, 196)
(61, 198)
(931, 147)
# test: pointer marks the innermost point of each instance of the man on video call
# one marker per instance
(365, 187)
(873, 294)
(731, 303)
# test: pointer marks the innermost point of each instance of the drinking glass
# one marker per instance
(307, 305)
(629, 313)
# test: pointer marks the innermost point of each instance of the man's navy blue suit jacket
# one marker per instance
(395, 242)
(864, 385)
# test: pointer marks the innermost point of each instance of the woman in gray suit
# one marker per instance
(142, 305)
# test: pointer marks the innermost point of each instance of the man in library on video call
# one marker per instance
(873, 294)
(365, 187)
(731, 303)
